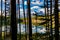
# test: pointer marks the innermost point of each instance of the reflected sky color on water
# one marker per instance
(39, 29)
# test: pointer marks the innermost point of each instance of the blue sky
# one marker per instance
(35, 6)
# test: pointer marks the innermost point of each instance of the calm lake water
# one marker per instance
(39, 29)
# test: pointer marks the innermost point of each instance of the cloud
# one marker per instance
(38, 9)
(35, 7)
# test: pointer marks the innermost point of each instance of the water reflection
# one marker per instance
(40, 29)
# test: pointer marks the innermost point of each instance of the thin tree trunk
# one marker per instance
(56, 21)
(30, 25)
(13, 20)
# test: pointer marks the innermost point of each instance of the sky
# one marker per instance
(35, 6)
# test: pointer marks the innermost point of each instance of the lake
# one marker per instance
(39, 29)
